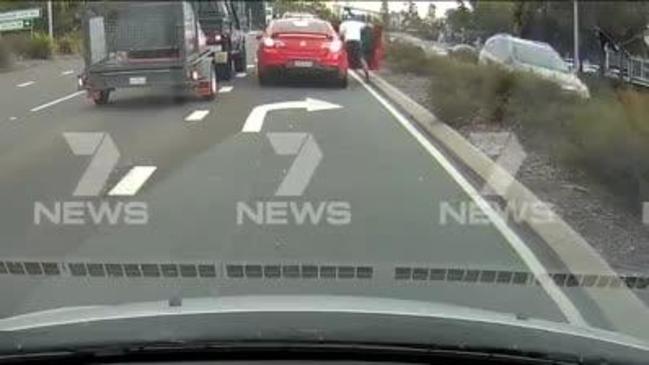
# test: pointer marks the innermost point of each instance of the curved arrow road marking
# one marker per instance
(255, 120)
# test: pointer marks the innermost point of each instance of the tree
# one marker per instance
(432, 9)
(459, 21)
(385, 13)
(317, 8)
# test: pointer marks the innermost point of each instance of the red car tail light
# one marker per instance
(334, 46)
(272, 43)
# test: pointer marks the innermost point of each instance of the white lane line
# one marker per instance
(13, 118)
(566, 306)
(132, 181)
(241, 75)
(226, 89)
(25, 84)
(197, 115)
(54, 102)
(68, 72)
(250, 66)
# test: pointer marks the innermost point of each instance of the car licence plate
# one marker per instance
(303, 63)
(137, 81)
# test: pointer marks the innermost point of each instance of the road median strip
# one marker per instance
(624, 310)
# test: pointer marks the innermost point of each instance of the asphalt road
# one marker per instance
(373, 162)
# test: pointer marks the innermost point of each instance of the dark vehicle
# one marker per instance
(145, 44)
(222, 26)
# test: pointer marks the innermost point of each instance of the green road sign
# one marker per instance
(13, 25)
(20, 15)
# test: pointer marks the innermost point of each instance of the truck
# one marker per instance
(222, 23)
(157, 44)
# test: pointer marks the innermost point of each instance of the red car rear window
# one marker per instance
(300, 26)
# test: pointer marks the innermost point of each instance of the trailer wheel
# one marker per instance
(100, 97)
(214, 85)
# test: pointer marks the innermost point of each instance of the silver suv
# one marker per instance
(517, 54)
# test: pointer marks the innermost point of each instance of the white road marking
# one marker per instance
(132, 181)
(250, 66)
(25, 84)
(255, 119)
(54, 102)
(13, 118)
(68, 72)
(197, 115)
(241, 75)
(566, 306)
(226, 89)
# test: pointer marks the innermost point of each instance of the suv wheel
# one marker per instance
(224, 70)
(240, 64)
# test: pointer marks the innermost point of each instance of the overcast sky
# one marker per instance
(422, 6)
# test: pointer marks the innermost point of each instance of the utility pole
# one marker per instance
(50, 27)
(575, 21)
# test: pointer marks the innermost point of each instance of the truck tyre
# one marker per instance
(224, 70)
(240, 63)
(214, 85)
(100, 97)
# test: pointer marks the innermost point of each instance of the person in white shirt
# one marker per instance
(350, 31)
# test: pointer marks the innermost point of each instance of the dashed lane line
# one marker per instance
(197, 115)
(54, 102)
(131, 183)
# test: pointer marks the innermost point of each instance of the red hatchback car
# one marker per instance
(301, 46)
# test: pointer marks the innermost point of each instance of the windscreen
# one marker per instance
(438, 155)
(539, 56)
(300, 26)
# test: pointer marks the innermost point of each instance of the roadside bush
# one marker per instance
(464, 54)
(40, 46)
(6, 58)
(405, 57)
(68, 44)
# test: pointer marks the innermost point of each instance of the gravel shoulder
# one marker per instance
(603, 219)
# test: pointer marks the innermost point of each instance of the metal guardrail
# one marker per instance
(631, 69)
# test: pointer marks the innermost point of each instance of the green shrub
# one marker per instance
(40, 46)
(464, 55)
(68, 44)
(6, 58)
(405, 57)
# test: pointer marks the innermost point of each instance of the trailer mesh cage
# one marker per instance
(130, 31)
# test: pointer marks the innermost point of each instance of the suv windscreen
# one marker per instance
(539, 56)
